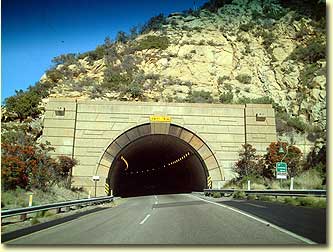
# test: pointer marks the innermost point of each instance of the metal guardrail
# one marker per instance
(303, 193)
(59, 205)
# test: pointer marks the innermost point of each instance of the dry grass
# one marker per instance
(20, 198)
(308, 180)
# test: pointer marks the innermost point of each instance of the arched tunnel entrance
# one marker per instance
(145, 162)
(157, 164)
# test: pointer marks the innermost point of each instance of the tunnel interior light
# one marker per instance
(181, 158)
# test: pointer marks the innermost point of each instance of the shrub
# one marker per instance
(244, 78)
(34, 220)
(266, 198)
(54, 74)
(260, 100)
(41, 89)
(200, 97)
(222, 79)
(268, 38)
(314, 50)
(214, 5)
(27, 166)
(251, 197)
(65, 59)
(297, 124)
(135, 89)
(121, 37)
(310, 179)
(291, 201)
(154, 24)
(309, 72)
(246, 166)
(273, 9)
(115, 81)
(292, 158)
(226, 97)
(157, 42)
(24, 104)
(239, 195)
(66, 165)
(217, 195)
(246, 27)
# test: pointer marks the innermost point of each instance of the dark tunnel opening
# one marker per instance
(157, 164)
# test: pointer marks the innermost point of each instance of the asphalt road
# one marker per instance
(164, 219)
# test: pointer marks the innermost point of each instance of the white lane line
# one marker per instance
(255, 205)
(260, 220)
(143, 221)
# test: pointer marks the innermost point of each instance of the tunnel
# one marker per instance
(156, 164)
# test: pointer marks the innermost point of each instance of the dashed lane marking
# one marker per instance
(144, 220)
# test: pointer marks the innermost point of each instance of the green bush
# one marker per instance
(266, 198)
(291, 201)
(151, 41)
(65, 59)
(251, 197)
(239, 195)
(268, 38)
(297, 124)
(244, 78)
(310, 179)
(260, 100)
(135, 89)
(34, 221)
(272, 9)
(314, 50)
(54, 74)
(246, 27)
(312, 202)
(154, 24)
(226, 97)
(217, 195)
(200, 97)
(115, 81)
(24, 104)
(222, 79)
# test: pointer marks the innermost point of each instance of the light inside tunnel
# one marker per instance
(157, 164)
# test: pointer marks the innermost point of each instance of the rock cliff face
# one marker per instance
(243, 50)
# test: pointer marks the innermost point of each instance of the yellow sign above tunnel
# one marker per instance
(160, 118)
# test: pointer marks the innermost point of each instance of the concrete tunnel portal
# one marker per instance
(145, 162)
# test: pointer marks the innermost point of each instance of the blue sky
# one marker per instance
(35, 31)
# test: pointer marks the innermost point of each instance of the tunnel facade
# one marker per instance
(139, 148)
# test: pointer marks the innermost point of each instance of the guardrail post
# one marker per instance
(58, 210)
(249, 185)
(291, 184)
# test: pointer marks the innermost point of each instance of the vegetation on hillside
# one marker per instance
(27, 164)
(309, 173)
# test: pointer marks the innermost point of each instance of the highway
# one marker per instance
(166, 219)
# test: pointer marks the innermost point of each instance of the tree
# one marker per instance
(153, 24)
(121, 37)
(66, 165)
(67, 59)
(246, 166)
(292, 156)
(24, 104)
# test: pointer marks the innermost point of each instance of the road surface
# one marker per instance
(164, 219)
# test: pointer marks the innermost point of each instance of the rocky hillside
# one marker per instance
(242, 51)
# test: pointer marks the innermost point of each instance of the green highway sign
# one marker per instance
(281, 170)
